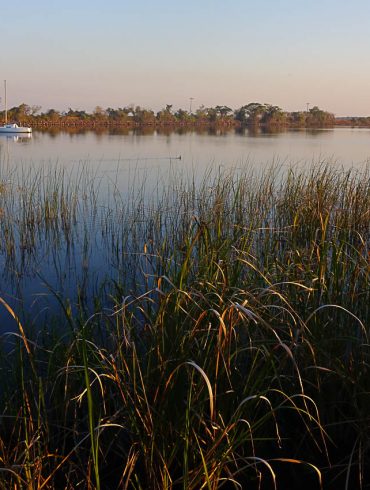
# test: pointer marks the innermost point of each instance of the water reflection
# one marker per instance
(257, 131)
(16, 138)
(199, 148)
(74, 255)
(8, 140)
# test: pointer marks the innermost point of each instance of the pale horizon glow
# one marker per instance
(113, 54)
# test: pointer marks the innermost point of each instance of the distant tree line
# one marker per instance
(252, 114)
(353, 121)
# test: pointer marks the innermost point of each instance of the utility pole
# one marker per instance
(191, 101)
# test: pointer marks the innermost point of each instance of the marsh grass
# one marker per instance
(227, 346)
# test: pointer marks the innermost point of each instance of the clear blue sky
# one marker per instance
(80, 53)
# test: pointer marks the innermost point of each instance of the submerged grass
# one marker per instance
(228, 346)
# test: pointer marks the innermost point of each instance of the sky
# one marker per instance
(113, 53)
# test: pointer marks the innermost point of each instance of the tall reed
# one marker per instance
(226, 343)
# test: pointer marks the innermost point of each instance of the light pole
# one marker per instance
(191, 101)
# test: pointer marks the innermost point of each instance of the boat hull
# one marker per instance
(15, 129)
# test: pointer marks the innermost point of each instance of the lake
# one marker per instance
(43, 266)
(104, 150)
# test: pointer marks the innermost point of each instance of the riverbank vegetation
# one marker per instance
(251, 115)
(358, 122)
(229, 349)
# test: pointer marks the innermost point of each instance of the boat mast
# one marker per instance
(6, 107)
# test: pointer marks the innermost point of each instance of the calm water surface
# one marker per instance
(127, 159)
(346, 146)
(137, 156)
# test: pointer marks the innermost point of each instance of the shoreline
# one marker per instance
(227, 125)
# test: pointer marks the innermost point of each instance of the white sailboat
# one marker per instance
(12, 127)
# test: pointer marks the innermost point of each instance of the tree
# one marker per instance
(273, 116)
(250, 114)
(99, 112)
(223, 110)
(318, 117)
(35, 109)
(201, 114)
(297, 118)
(182, 115)
(19, 113)
(143, 116)
(120, 115)
(240, 115)
(254, 112)
(212, 114)
(165, 116)
(52, 114)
